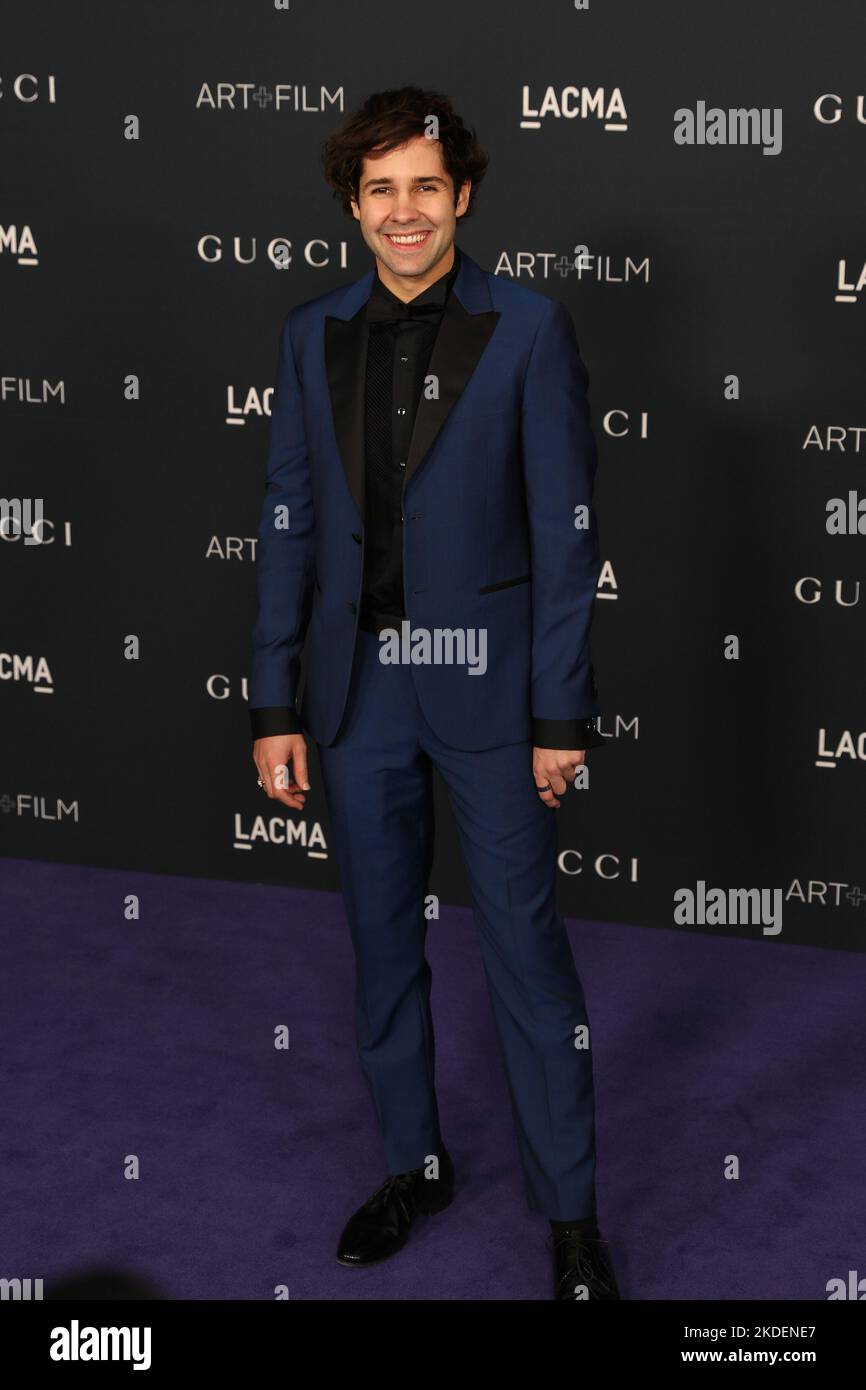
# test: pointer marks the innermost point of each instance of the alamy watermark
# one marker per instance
(20, 517)
(736, 126)
(20, 1290)
(438, 646)
(729, 907)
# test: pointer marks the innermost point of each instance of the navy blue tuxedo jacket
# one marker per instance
(500, 470)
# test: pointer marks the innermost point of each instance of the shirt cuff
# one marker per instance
(273, 720)
(566, 734)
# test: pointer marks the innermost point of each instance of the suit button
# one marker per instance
(351, 607)
(356, 537)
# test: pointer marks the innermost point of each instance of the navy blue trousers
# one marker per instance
(378, 784)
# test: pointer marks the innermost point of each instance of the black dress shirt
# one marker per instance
(401, 338)
(399, 346)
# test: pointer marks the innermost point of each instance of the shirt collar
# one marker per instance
(385, 303)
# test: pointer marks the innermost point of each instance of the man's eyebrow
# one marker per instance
(418, 178)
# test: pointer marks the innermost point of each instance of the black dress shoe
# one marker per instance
(581, 1267)
(381, 1226)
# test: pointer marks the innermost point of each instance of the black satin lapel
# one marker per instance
(346, 367)
(461, 340)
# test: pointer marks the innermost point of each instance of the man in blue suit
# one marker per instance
(428, 531)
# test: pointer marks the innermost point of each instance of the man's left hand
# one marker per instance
(552, 768)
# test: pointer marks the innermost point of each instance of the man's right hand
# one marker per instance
(282, 764)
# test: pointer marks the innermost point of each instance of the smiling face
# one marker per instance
(407, 214)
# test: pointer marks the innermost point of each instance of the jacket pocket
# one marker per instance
(506, 584)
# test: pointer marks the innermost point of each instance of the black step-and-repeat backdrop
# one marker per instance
(688, 178)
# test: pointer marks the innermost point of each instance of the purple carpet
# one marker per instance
(155, 1039)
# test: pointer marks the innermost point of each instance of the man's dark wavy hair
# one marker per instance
(387, 120)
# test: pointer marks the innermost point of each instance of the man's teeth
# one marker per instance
(407, 240)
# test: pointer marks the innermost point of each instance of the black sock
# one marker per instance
(587, 1226)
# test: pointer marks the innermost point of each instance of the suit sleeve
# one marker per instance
(559, 463)
(285, 558)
